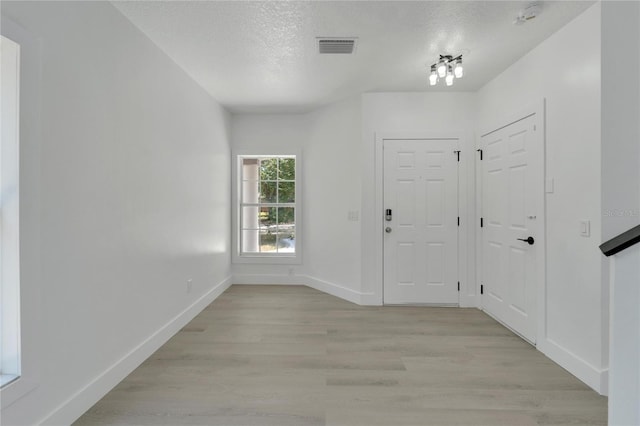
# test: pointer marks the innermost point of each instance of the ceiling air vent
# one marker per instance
(329, 46)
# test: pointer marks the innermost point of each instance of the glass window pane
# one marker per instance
(286, 192)
(268, 218)
(250, 217)
(287, 239)
(250, 191)
(267, 241)
(250, 240)
(287, 169)
(269, 226)
(286, 217)
(269, 169)
(268, 192)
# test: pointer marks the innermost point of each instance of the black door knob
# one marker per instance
(528, 240)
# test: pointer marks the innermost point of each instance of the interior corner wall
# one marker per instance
(621, 199)
(401, 112)
(329, 140)
(565, 70)
(131, 173)
(620, 115)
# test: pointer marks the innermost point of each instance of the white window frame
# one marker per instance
(30, 137)
(236, 172)
(10, 357)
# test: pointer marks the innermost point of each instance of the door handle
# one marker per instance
(528, 240)
(387, 230)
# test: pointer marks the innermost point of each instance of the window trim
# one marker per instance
(260, 204)
(30, 147)
(10, 347)
(236, 182)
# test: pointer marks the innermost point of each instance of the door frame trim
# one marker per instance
(380, 137)
(538, 109)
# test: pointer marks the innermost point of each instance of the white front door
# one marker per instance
(512, 184)
(421, 237)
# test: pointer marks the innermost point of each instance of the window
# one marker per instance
(9, 223)
(267, 206)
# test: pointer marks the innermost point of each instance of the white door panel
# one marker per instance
(421, 251)
(511, 177)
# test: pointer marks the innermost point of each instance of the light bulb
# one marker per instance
(433, 78)
(458, 70)
(449, 79)
(442, 69)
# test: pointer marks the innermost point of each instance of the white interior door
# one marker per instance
(421, 239)
(512, 181)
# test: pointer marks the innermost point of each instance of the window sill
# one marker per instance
(5, 379)
(15, 389)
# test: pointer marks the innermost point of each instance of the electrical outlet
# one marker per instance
(189, 285)
(290, 271)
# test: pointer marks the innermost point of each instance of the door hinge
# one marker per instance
(458, 285)
(458, 220)
(481, 289)
(481, 222)
(458, 154)
(480, 151)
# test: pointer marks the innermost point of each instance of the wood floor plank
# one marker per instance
(290, 355)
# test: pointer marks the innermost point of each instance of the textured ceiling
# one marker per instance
(262, 56)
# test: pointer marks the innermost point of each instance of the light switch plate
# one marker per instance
(585, 228)
(548, 186)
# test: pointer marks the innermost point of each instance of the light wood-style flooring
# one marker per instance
(289, 355)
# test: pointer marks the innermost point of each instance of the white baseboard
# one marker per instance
(85, 398)
(371, 299)
(468, 300)
(267, 279)
(333, 289)
(325, 286)
(595, 378)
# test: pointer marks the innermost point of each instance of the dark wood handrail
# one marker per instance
(621, 242)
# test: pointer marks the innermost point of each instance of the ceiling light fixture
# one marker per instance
(448, 68)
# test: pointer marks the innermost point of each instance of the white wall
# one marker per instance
(620, 113)
(565, 70)
(621, 199)
(279, 133)
(129, 180)
(329, 141)
(389, 113)
(624, 380)
(332, 183)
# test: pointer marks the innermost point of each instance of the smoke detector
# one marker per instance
(529, 13)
